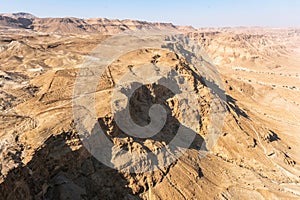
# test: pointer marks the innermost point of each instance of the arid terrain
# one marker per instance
(256, 155)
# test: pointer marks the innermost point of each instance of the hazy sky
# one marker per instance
(208, 13)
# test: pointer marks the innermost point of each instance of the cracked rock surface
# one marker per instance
(42, 157)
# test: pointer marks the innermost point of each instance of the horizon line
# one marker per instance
(152, 21)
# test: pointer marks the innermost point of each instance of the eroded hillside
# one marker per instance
(42, 157)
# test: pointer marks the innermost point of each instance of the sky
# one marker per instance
(197, 13)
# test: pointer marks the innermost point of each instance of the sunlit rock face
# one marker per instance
(42, 156)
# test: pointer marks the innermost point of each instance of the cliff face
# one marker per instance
(71, 25)
(42, 157)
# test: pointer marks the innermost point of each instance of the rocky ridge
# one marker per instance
(42, 157)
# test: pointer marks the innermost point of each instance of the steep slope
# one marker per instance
(73, 25)
(42, 156)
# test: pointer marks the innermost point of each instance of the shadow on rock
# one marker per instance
(58, 172)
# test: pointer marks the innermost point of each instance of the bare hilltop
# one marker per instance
(256, 155)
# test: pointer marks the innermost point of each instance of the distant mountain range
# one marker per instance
(77, 25)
